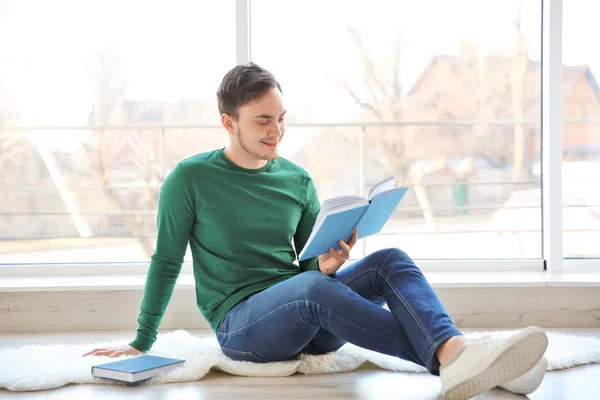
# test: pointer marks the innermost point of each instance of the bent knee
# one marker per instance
(314, 284)
(396, 258)
(392, 253)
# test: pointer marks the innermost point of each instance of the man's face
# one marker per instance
(260, 127)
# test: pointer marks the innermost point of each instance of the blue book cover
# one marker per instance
(340, 216)
(334, 227)
(379, 211)
(135, 368)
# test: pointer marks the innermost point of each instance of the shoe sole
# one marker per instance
(510, 364)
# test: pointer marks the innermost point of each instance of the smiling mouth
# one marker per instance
(270, 144)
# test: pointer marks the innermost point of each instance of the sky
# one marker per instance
(180, 49)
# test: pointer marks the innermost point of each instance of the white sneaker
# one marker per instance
(476, 368)
(529, 382)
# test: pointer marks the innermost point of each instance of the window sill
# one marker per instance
(438, 279)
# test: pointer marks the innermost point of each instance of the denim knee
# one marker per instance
(312, 285)
(394, 253)
(395, 258)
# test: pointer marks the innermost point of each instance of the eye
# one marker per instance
(264, 122)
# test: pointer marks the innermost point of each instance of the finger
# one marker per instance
(92, 352)
(345, 249)
(336, 256)
(114, 353)
(353, 239)
(106, 352)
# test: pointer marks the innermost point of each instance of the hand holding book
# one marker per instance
(340, 216)
(334, 259)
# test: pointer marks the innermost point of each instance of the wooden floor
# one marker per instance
(368, 383)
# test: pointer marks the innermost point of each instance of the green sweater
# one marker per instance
(239, 223)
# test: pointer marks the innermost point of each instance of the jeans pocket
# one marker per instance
(239, 355)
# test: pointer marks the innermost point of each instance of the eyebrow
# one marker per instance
(269, 116)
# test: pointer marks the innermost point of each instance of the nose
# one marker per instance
(277, 130)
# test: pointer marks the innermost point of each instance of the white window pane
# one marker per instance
(475, 185)
(581, 131)
(90, 195)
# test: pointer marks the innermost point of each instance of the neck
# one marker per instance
(242, 159)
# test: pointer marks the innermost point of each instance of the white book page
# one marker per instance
(341, 201)
(312, 235)
(383, 186)
(330, 205)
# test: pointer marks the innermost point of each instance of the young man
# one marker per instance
(241, 207)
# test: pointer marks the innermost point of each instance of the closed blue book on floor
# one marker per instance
(136, 369)
(341, 215)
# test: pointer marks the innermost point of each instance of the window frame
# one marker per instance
(552, 261)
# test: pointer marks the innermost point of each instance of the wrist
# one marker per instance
(140, 345)
(327, 271)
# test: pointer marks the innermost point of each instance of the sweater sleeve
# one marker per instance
(176, 215)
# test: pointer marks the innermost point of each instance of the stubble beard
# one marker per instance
(244, 146)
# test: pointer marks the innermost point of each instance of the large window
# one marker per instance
(581, 131)
(99, 99)
(137, 78)
(444, 95)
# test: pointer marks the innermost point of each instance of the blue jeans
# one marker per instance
(316, 314)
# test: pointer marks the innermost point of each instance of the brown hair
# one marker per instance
(242, 85)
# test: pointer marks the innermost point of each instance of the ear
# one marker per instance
(228, 123)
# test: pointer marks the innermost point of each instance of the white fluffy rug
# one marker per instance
(34, 367)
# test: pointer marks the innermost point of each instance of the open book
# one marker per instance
(339, 217)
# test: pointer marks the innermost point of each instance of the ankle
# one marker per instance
(449, 348)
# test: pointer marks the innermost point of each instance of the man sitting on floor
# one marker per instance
(241, 207)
